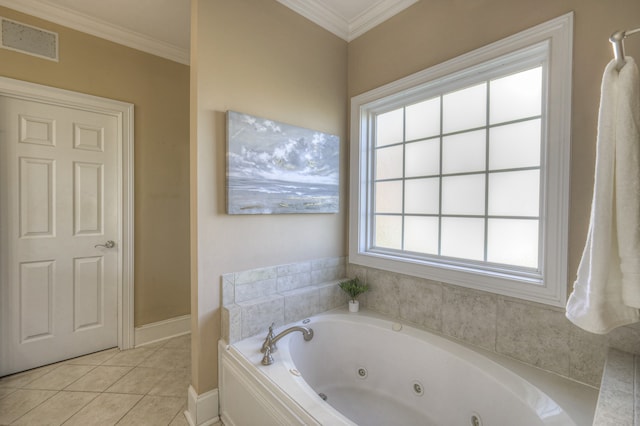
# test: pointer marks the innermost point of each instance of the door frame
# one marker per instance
(123, 112)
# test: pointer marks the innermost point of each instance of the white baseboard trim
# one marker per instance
(202, 410)
(162, 330)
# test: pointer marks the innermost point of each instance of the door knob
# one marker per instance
(108, 244)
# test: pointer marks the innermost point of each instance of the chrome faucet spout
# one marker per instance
(269, 344)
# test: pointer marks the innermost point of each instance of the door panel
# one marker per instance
(36, 300)
(60, 198)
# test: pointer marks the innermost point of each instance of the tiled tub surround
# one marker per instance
(533, 333)
(254, 299)
(619, 399)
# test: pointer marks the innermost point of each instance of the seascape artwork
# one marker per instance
(277, 168)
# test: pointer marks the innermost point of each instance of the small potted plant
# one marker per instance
(354, 288)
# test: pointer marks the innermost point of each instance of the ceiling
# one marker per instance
(161, 27)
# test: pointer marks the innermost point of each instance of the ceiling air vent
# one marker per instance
(27, 39)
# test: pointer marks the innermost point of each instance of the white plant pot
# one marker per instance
(354, 305)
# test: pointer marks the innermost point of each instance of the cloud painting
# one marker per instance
(274, 167)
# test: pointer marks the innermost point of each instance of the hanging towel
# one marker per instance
(628, 181)
(606, 293)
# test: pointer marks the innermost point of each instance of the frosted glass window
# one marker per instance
(422, 158)
(459, 170)
(463, 238)
(389, 162)
(513, 242)
(514, 193)
(464, 152)
(464, 109)
(423, 119)
(463, 195)
(515, 145)
(516, 96)
(422, 196)
(389, 232)
(389, 197)
(421, 234)
(389, 127)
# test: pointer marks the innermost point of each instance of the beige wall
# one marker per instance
(256, 57)
(159, 89)
(433, 31)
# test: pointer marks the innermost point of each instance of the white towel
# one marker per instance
(607, 290)
(628, 181)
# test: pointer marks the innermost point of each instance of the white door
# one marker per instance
(59, 232)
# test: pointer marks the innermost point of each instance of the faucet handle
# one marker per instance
(267, 359)
(269, 344)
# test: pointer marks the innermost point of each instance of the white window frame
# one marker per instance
(551, 41)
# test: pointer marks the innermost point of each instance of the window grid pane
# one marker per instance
(456, 160)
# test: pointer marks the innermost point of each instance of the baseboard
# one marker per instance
(202, 410)
(162, 330)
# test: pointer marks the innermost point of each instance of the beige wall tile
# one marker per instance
(299, 304)
(470, 316)
(587, 353)
(384, 292)
(258, 315)
(421, 302)
(534, 334)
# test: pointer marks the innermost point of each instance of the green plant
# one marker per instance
(353, 287)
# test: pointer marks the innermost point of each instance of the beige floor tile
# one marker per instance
(99, 379)
(6, 391)
(96, 358)
(153, 345)
(180, 342)
(168, 359)
(180, 419)
(153, 411)
(174, 383)
(19, 380)
(105, 409)
(139, 381)
(18, 403)
(60, 377)
(57, 409)
(131, 357)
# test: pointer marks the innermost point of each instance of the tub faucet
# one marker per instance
(269, 345)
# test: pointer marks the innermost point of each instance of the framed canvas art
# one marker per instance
(275, 168)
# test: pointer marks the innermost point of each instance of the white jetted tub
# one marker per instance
(366, 370)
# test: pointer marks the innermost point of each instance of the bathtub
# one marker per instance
(364, 369)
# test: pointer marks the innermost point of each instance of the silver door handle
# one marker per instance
(108, 244)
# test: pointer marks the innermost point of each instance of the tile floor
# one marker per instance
(142, 386)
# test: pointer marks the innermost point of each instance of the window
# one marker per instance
(460, 173)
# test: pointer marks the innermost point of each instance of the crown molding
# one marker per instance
(376, 15)
(321, 15)
(327, 18)
(98, 28)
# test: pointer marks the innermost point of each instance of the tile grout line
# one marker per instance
(153, 350)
